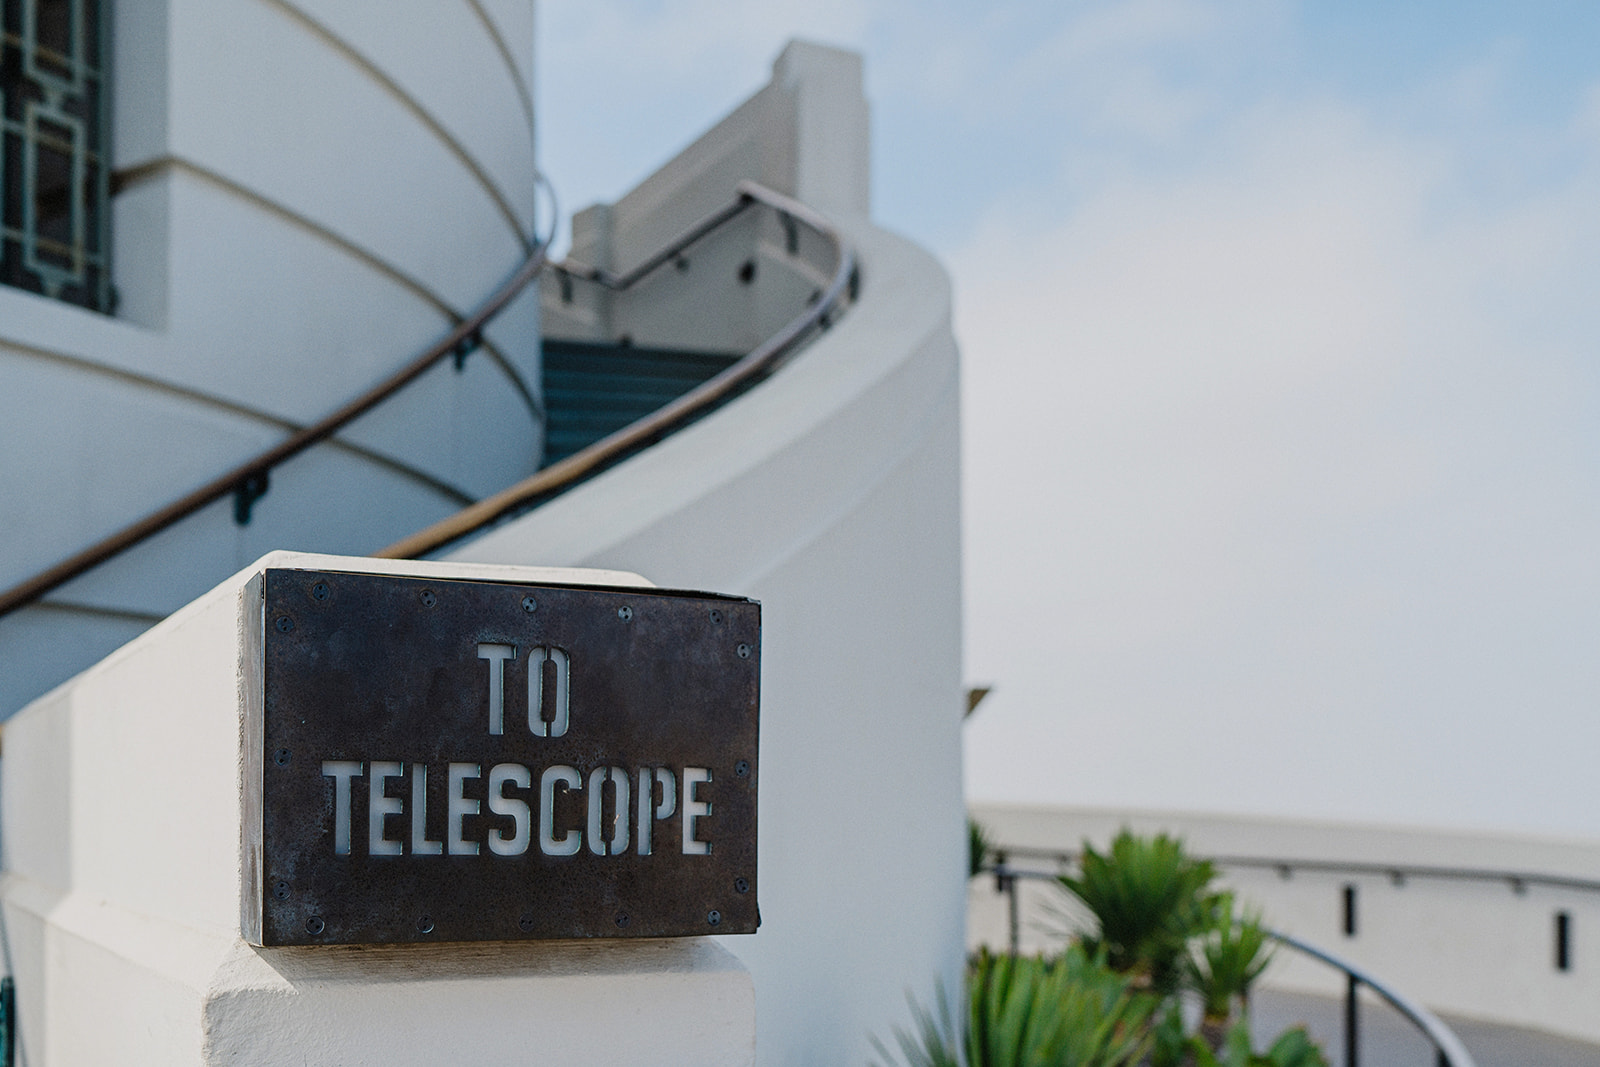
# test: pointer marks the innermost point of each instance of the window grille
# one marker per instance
(53, 139)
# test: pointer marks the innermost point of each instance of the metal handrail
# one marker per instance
(1450, 1051)
(1517, 880)
(761, 361)
(250, 477)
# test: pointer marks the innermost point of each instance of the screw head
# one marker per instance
(744, 651)
(315, 925)
(280, 889)
(530, 605)
(713, 917)
(716, 615)
(319, 591)
(622, 919)
(625, 613)
(284, 624)
(741, 885)
(742, 769)
(428, 599)
(281, 757)
(526, 922)
(424, 925)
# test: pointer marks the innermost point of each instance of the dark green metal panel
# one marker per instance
(8, 1022)
(592, 390)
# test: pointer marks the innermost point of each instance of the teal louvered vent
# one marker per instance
(594, 389)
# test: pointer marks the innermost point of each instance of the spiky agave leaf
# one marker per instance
(1034, 1012)
(979, 846)
(933, 1042)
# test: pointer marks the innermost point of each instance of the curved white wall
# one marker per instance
(311, 190)
(829, 493)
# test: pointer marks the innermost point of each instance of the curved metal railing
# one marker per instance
(760, 362)
(248, 480)
(1447, 1047)
(1398, 873)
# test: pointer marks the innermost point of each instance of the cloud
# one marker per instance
(1281, 482)
(1280, 397)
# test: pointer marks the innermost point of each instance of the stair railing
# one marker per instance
(248, 480)
(760, 362)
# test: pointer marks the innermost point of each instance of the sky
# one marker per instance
(1281, 461)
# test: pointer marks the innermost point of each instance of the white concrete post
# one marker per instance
(121, 805)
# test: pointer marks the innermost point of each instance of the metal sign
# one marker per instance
(474, 761)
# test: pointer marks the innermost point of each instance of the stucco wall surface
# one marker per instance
(829, 493)
(304, 203)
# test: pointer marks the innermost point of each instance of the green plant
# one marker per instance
(1033, 1012)
(1223, 963)
(978, 847)
(1169, 1041)
(1148, 897)
(1158, 931)
(1293, 1048)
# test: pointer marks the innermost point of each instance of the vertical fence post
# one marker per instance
(1011, 891)
(1351, 1021)
(1006, 882)
(8, 1022)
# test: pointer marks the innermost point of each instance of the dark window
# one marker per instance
(53, 180)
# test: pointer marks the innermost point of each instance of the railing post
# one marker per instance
(1011, 906)
(1006, 882)
(1351, 1021)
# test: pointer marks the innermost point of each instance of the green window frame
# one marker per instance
(54, 180)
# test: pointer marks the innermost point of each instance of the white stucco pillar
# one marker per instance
(120, 804)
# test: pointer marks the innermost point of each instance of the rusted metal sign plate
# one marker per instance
(471, 761)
